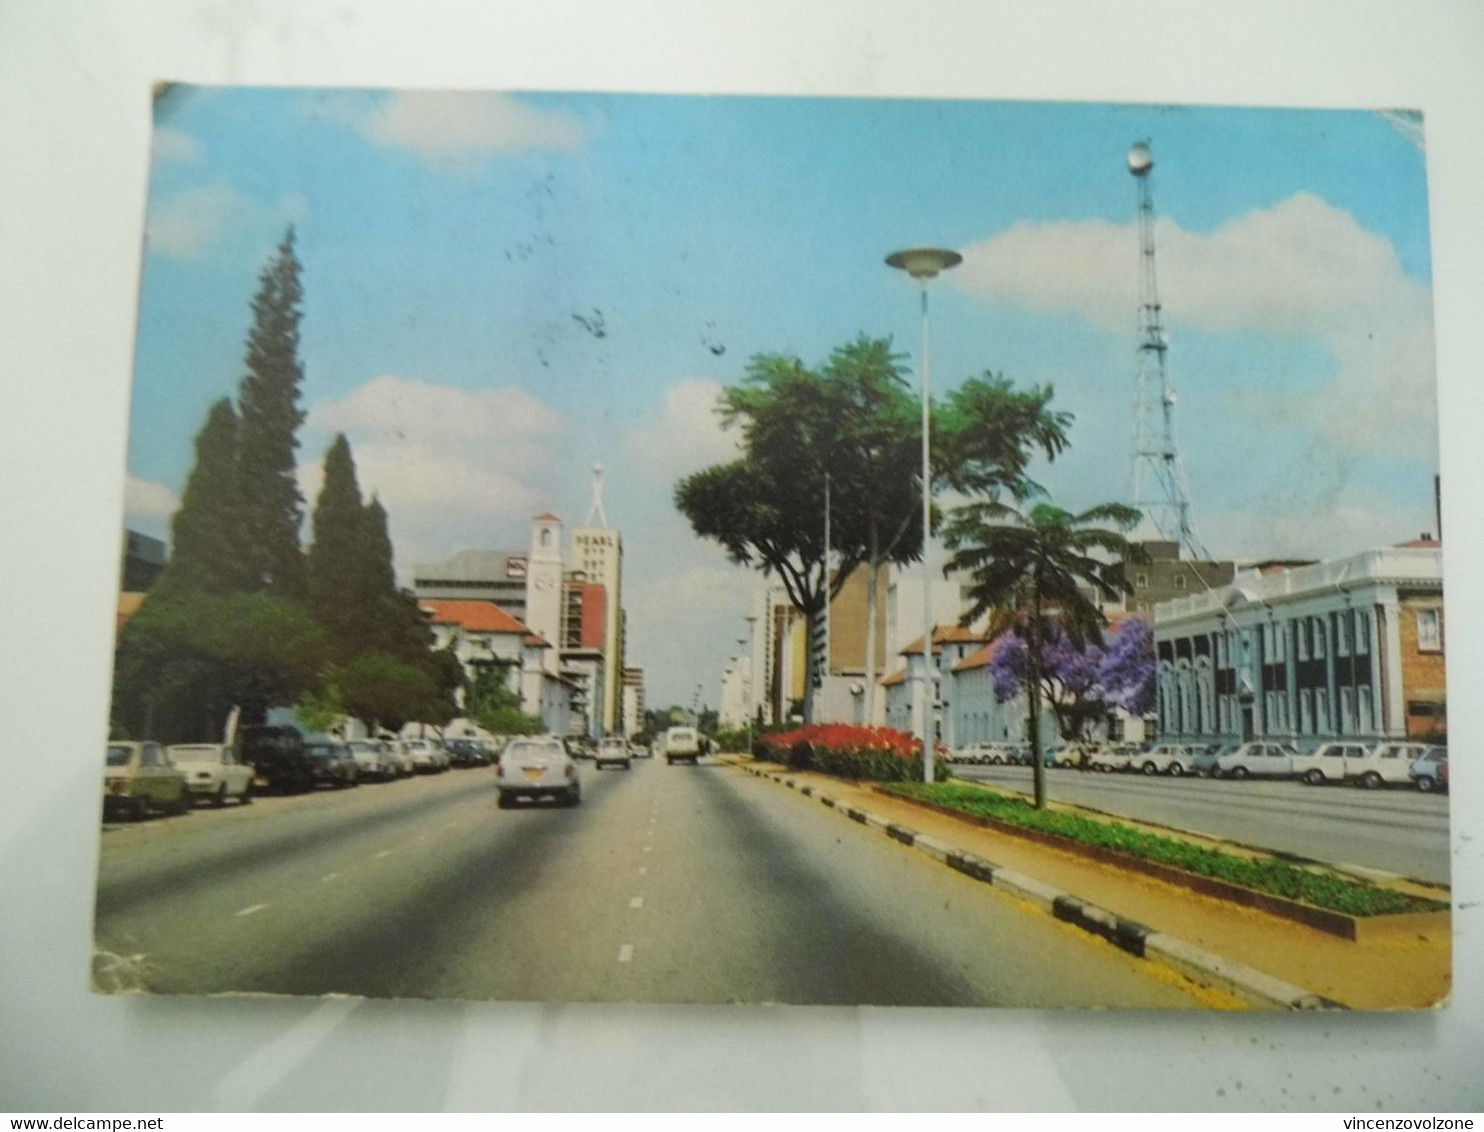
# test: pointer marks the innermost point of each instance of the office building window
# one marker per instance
(1430, 630)
(1347, 712)
(1301, 633)
(1363, 710)
(1362, 632)
(1306, 711)
(1321, 637)
(1322, 723)
(1342, 633)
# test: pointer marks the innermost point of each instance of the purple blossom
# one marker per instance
(1119, 672)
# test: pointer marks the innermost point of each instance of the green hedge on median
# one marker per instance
(1338, 894)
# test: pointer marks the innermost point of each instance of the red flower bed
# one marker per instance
(881, 754)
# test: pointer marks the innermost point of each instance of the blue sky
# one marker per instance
(450, 242)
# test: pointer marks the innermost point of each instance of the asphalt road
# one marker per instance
(668, 884)
(1394, 830)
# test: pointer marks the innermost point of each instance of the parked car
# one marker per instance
(1258, 760)
(1328, 762)
(612, 751)
(212, 772)
(1430, 770)
(641, 750)
(138, 778)
(682, 744)
(1115, 758)
(535, 768)
(333, 763)
(277, 758)
(424, 756)
(464, 753)
(1203, 760)
(1174, 759)
(373, 759)
(1385, 764)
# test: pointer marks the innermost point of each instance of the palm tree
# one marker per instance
(1036, 567)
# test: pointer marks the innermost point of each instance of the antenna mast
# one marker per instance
(595, 513)
(1158, 486)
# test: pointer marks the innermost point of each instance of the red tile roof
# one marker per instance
(547, 517)
(537, 641)
(475, 616)
(897, 677)
(947, 635)
(974, 659)
(1419, 543)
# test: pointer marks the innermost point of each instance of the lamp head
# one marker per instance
(924, 263)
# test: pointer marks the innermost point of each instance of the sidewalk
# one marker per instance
(1399, 972)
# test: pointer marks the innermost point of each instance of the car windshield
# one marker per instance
(321, 751)
(195, 755)
(119, 755)
(531, 752)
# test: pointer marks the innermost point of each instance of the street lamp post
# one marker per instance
(924, 264)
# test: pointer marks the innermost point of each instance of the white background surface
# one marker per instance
(74, 116)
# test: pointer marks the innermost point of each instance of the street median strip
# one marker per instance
(1136, 939)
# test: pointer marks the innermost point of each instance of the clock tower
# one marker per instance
(544, 585)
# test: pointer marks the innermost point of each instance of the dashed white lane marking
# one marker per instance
(636, 902)
(251, 908)
(328, 877)
(383, 853)
(626, 953)
(453, 825)
(649, 848)
(643, 870)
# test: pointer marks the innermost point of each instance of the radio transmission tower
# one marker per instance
(1158, 481)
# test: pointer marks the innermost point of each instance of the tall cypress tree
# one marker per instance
(268, 402)
(340, 592)
(206, 533)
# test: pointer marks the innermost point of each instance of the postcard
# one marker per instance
(684, 549)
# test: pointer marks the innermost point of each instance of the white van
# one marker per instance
(682, 743)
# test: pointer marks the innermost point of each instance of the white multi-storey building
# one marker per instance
(598, 554)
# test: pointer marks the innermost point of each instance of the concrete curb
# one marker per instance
(1138, 940)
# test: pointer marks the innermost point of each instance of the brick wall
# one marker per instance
(1423, 681)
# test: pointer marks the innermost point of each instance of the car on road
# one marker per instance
(1385, 764)
(138, 778)
(1328, 762)
(277, 758)
(682, 744)
(333, 763)
(466, 752)
(1118, 757)
(641, 750)
(212, 772)
(374, 760)
(424, 756)
(1258, 760)
(612, 752)
(1174, 759)
(1430, 770)
(536, 768)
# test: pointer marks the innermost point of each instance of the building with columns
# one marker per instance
(1349, 648)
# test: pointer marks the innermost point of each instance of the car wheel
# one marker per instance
(1149, 768)
(182, 805)
(628, 765)
(1370, 780)
(1175, 770)
(1315, 777)
(1426, 783)
(1239, 772)
(246, 798)
(574, 797)
(221, 797)
(504, 801)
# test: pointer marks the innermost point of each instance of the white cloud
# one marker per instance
(181, 226)
(450, 465)
(146, 499)
(176, 146)
(451, 128)
(1323, 533)
(685, 436)
(1299, 268)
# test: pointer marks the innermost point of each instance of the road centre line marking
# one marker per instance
(626, 953)
(251, 908)
(328, 877)
(636, 902)
(643, 870)
(649, 848)
(383, 853)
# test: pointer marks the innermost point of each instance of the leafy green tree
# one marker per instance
(341, 594)
(268, 404)
(384, 691)
(1035, 568)
(206, 532)
(186, 660)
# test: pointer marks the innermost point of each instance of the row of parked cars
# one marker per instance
(140, 777)
(1422, 765)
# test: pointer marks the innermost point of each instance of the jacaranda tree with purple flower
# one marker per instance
(1082, 683)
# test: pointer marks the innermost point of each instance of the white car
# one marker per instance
(374, 761)
(1258, 760)
(425, 756)
(1388, 764)
(1174, 759)
(682, 744)
(612, 752)
(1109, 759)
(212, 772)
(1328, 762)
(537, 768)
